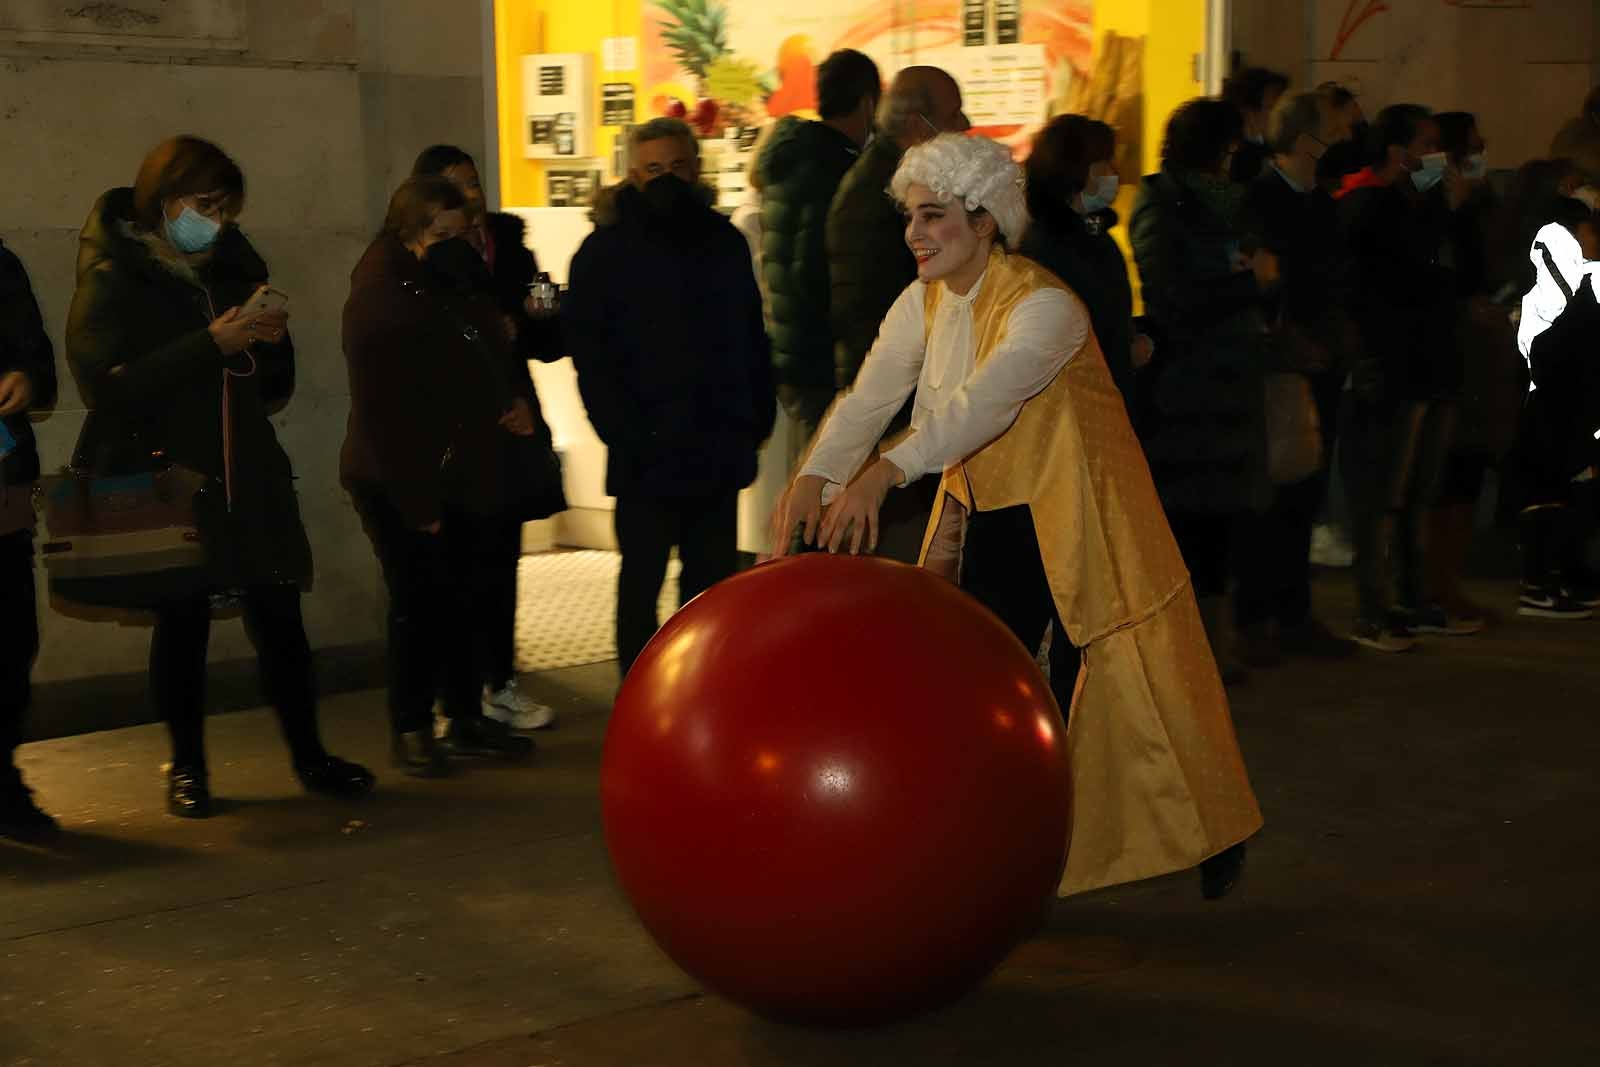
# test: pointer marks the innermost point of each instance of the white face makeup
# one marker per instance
(942, 237)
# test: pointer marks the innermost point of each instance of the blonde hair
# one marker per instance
(974, 170)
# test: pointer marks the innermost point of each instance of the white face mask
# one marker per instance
(1433, 165)
(1100, 194)
(1475, 166)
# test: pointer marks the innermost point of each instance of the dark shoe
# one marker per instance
(480, 736)
(419, 755)
(1220, 873)
(1314, 640)
(1391, 636)
(1433, 619)
(188, 793)
(1582, 593)
(334, 777)
(20, 817)
(1258, 646)
(1551, 603)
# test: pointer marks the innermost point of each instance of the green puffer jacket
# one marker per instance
(868, 261)
(801, 168)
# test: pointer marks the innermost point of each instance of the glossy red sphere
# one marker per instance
(836, 790)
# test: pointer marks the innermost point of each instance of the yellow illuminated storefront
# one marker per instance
(731, 66)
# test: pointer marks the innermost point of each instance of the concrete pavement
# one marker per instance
(1424, 893)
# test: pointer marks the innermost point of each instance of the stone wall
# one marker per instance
(324, 103)
(1522, 66)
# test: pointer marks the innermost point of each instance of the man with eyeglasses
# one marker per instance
(1291, 215)
(663, 321)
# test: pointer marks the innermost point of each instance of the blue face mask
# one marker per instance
(1432, 172)
(1101, 194)
(192, 232)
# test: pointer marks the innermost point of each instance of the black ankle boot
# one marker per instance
(188, 793)
(334, 777)
(417, 753)
(1220, 873)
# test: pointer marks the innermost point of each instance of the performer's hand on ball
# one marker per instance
(855, 513)
(801, 507)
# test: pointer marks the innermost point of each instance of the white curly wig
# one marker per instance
(974, 170)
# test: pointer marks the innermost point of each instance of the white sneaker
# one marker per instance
(1330, 549)
(514, 708)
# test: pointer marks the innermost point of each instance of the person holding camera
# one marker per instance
(27, 383)
(181, 354)
(510, 278)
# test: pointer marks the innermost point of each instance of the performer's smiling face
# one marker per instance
(946, 239)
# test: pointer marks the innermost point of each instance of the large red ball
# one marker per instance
(836, 790)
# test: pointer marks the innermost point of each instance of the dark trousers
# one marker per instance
(283, 655)
(431, 630)
(19, 641)
(705, 530)
(1002, 569)
(1554, 539)
(1274, 556)
(1274, 548)
(1207, 543)
(496, 557)
(1392, 459)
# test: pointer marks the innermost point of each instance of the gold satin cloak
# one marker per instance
(1158, 781)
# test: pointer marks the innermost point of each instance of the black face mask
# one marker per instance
(670, 197)
(458, 264)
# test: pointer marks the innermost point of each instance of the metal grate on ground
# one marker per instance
(566, 608)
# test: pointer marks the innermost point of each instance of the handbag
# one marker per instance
(1294, 429)
(128, 539)
(535, 488)
(534, 482)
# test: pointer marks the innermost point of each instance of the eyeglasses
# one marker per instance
(936, 130)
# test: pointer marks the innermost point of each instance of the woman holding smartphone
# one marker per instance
(179, 354)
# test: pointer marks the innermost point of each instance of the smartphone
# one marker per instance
(262, 300)
(8, 444)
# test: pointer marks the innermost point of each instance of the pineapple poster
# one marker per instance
(741, 63)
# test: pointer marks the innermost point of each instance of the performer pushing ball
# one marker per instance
(1046, 514)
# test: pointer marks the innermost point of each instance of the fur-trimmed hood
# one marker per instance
(111, 236)
(615, 203)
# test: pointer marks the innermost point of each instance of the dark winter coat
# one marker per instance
(1203, 425)
(427, 390)
(25, 347)
(145, 362)
(1251, 160)
(514, 267)
(1402, 296)
(1307, 314)
(869, 264)
(663, 320)
(1082, 253)
(801, 168)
